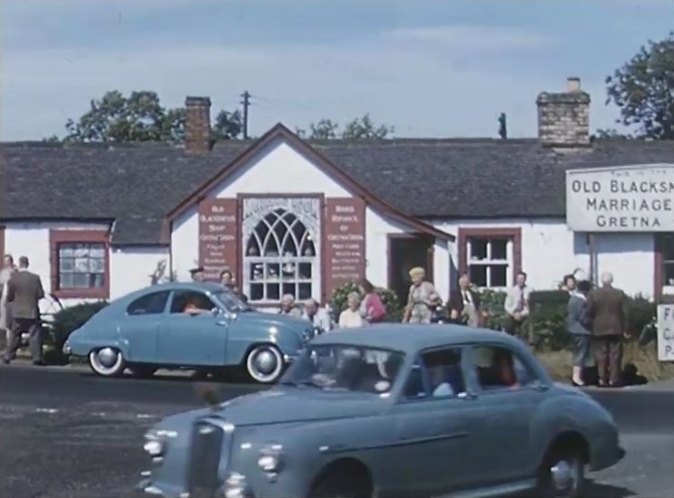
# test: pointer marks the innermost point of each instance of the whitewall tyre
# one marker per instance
(107, 362)
(264, 364)
(563, 476)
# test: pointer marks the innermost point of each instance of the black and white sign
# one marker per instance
(623, 199)
(666, 332)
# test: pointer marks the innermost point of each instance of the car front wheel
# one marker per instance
(563, 475)
(107, 362)
(264, 363)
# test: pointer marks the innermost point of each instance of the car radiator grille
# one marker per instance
(209, 445)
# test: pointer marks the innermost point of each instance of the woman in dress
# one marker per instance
(422, 298)
(371, 307)
(351, 317)
(578, 324)
(7, 269)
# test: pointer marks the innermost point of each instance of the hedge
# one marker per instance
(69, 319)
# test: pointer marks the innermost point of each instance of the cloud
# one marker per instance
(482, 38)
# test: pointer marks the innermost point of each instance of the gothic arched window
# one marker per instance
(280, 258)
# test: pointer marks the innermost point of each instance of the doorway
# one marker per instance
(405, 252)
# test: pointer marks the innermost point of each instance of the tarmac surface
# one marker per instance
(65, 433)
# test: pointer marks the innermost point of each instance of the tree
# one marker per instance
(228, 125)
(644, 90)
(365, 128)
(140, 118)
(357, 129)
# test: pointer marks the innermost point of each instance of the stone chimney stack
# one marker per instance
(198, 124)
(564, 118)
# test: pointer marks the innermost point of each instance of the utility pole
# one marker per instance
(246, 104)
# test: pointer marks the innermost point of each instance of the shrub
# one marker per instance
(70, 319)
(492, 302)
(387, 296)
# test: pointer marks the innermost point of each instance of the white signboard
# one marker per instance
(622, 199)
(666, 332)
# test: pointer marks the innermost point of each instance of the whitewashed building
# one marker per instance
(291, 216)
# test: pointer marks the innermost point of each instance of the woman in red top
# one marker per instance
(371, 307)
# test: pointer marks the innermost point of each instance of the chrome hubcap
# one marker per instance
(107, 357)
(265, 362)
(564, 475)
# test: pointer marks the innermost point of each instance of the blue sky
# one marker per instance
(436, 68)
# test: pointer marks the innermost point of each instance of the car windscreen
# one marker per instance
(231, 302)
(345, 368)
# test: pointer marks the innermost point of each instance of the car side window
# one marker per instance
(444, 372)
(499, 368)
(191, 302)
(149, 304)
(437, 374)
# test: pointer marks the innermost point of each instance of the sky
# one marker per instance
(429, 68)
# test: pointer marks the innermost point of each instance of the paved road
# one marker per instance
(67, 434)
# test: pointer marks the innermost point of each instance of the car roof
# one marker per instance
(197, 286)
(411, 338)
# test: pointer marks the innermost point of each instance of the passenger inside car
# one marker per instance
(194, 307)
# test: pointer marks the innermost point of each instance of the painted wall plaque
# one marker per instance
(218, 232)
(345, 241)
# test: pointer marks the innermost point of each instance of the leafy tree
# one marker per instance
(228, 125)
(644, 90)
(357, 129)
(365, 128)
(140, 118)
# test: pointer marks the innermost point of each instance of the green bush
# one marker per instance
(71, 318)
(492, 302)
(387, 296)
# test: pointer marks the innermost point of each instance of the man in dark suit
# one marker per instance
(606, 310)
(24, 291)
(464, 304)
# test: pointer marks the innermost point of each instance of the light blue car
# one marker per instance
(199, 326)
(391, 410)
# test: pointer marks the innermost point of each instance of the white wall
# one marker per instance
(131, 268)
(550, 250)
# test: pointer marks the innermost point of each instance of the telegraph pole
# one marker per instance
(246, 104)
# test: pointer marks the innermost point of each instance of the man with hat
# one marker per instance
(197, 274)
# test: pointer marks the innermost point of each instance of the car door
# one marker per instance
(507, 394)
(140, 326)
(196, 337)
(432, 424)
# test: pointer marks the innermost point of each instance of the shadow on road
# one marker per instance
(598, 490)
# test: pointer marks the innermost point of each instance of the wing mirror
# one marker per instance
(216, 311)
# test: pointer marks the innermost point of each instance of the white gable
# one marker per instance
(279, 168)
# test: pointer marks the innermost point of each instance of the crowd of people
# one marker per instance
(595, 317)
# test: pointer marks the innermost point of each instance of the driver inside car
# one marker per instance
(192, 307)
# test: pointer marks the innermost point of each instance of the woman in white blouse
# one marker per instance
(351, 317)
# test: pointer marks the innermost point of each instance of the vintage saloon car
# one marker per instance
(189, 325)
(391, 410)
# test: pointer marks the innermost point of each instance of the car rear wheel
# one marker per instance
(562, 475)
(264, 363)
(107, 362)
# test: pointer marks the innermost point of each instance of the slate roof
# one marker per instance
(137, 185)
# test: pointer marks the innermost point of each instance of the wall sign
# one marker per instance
(622, 199)
(666, 332)
(345, 241)
(218, 230)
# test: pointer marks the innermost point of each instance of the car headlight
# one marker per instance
(154, 445)
(270, 458)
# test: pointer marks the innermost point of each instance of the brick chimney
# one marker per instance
(198, 124)
(564, 118)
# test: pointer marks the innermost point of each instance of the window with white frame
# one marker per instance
(668, 260)
(490, 261)
(81, 266)
(280, 258)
